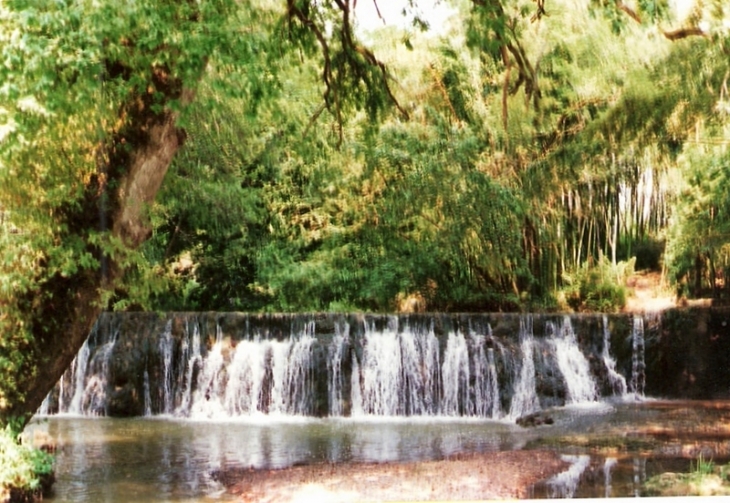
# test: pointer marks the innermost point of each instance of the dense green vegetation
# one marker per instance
(538, 183)
(528, 157)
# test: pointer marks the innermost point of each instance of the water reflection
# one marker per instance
(168, 459)
(117, 460)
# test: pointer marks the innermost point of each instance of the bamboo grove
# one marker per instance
(524, 155)
(539, 181)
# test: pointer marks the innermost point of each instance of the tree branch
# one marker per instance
(628, 10)
(367, 54)
(313, 119)
(692, 31)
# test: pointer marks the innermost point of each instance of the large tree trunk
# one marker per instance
(130, 175)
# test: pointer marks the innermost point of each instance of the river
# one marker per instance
(614, 447)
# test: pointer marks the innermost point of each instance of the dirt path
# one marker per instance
(495, 475)
(647, 293)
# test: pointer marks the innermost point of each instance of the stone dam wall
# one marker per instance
(211, 365)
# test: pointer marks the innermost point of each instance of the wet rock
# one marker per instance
(535, 419)
(125, 402)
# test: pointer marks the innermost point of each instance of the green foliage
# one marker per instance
(599, 287)
(269, 216)
(22, 468)
(702, 467)
(699, 241)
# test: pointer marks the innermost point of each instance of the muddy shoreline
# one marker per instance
(478, 476)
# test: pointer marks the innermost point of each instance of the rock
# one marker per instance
(535, 419)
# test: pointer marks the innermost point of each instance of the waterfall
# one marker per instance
(524, 400)
(616, 380)
(336, 353)
(397, 374)
(228, 366)
(638, 376)
(78, 370)
(494, 411)
(380, 373)
(297, 391)
(420, 365)
(639, 478)
(254, 377)
(581, 385)
(191, 355)
(455, 375)
(45, 407)
(246, 379)
(147, 397)
(356, 390)
(165, 346)
(486, 387)
(206, 398)
(90, 375)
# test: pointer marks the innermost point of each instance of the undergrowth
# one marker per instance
(598, 286)
(24, 470)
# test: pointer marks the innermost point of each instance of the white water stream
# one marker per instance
(617, 381)
(573, 364)
(638, 377)
(524, 400)
(390, 370)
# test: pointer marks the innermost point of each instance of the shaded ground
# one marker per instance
(495, 475)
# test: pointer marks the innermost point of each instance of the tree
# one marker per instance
(94, 96)
(91, 103)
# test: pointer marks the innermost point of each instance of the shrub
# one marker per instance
(598, 286)
(24, 471)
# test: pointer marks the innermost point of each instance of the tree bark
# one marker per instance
(63, 315)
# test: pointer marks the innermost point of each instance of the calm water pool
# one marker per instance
(168, 459)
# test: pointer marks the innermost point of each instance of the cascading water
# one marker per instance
(639, 478)
(486, 387)
(494, 411)
(78, 369)
(89, 376)
(192, 358)
(638, 376)
(356, 390)
(581, 386)
(456, 377)
(166, 346)
(206, 399)
(254, 377)
(198, 367)
(246, 378)
(336, 378)
(147, 397)
(524, 400)
(397, 373)
(380, 374)
(616, 380)
(420, 371)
